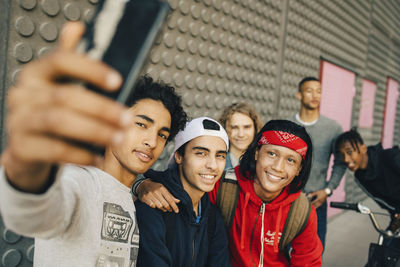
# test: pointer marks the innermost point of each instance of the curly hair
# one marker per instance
(147, 88)
(352, 136)
(243, 108)
(247, 165)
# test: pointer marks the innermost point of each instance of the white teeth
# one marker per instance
(207, 176)
(275, 177)
(144, 155)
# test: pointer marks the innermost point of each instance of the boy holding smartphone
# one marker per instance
(80, 216)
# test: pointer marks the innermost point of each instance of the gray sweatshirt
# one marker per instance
(86, 218)
(323, 134)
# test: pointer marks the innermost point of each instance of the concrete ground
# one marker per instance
(349, 235)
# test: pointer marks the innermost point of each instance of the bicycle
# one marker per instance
(379, 254)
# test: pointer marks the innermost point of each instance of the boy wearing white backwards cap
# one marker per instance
(195, 236)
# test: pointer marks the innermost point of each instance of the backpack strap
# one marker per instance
(227, 196)
(295, 223)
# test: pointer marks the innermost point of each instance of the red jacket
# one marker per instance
(245, 233)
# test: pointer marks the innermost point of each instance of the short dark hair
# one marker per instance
(247, 165)
(352, 136)
(146, 88)
(307, 79)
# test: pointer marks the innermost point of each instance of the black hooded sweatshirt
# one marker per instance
(190, 245)
(381, 178)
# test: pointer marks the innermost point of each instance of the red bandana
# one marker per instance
(285, 139)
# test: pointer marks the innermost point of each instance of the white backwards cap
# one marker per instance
(202, 126)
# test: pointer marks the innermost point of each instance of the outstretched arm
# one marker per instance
(46, 118)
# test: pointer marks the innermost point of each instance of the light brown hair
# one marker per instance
(243, 108)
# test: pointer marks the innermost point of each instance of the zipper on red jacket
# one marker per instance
(252, 234)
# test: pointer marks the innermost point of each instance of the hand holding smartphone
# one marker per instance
(121, 34)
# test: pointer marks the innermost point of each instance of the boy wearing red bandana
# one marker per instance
(271, 174)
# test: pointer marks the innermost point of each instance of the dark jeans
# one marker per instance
(322, 221)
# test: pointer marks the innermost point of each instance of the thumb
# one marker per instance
(177, 200)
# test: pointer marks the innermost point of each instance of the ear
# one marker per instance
(298, 95)
(363, 149)
(178, 158)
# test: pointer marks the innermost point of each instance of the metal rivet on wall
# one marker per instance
(43, 51)
(167, 59)
(72, 12)
(165, 76)
(194, 29)
(10, 237)
(25, 26)
(195, 11)
(168, 40)
(192, 46)
(178, 79)
(23, 52)
(212, 70)
(181, 44)
(214, 36)
(189, 82)
(203, 49)
(182, 25)
(88, 15)
(190, 64)
(11, 258)
(30, 252)
(199, 100)
(204, 32)
(210, 85)
(184, 7)
(188, 99)
(48, 31)
(200, 83)
(51, 7)
(205, 15)
(226, 7)
(27, 4)
(201, 67)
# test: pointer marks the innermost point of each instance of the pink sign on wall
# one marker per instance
(392, 94)
(366, 119)
(336, 103)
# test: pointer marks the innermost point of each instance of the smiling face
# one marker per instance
(240, 129)
(146, 138)
(201, 165)
(310, 95)
(353, 158)
(276, 167)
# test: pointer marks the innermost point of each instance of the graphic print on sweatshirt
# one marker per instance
(120, 237)
(269, 237)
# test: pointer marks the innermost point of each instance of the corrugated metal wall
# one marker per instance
(216, 52)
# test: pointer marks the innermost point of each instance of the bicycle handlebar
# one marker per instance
(345, 206)
(364, 210)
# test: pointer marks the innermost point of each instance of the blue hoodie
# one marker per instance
(190, 245)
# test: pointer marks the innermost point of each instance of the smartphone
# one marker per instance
(121, 34)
